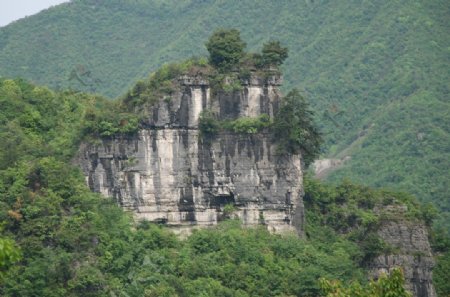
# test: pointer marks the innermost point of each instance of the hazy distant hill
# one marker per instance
(376, 72)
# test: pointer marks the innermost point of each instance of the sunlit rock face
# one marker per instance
(169, 173)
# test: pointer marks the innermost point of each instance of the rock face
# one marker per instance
(412, 253)
(170, 174)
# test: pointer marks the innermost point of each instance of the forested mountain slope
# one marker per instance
(377, 72)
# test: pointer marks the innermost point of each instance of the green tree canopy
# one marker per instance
(295, 129)
(9, 254)
(273, 53)
(386, 286)
(225, 48)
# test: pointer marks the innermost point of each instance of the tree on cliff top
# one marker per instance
(225, 48)
(273, 54)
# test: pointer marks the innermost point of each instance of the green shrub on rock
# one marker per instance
(294, 127)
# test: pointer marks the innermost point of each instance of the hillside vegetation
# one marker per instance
(376, 72)
(59, 239)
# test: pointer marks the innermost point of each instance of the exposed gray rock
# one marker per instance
(168, 173)
(413, 255)
(183, 108)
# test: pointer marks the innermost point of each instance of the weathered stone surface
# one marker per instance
(167, 173)
(171, 175)
(413, 255)
(183, 108)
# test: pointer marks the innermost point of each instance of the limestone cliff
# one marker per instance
(170, 174)
(412, 252)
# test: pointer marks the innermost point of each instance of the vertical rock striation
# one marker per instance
(170, 174)
(412, 252)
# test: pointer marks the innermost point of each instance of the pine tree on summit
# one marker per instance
(273, 54)
(225, 48)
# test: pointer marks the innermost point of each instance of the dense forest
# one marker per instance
(376, 72)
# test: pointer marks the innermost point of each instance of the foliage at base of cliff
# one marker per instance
(357, 213)
(391, 285)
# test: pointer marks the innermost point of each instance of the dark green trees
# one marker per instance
(273, 54)
(295, 129)
(294, 126)
(9, 254)
(225, 49)
(385, 286)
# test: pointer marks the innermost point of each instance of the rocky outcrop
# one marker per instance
(412, 252)
(170, 174)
